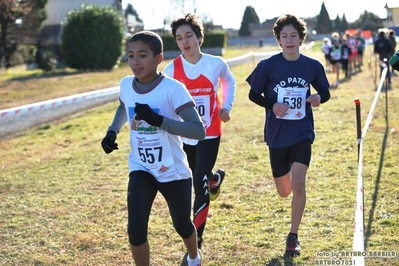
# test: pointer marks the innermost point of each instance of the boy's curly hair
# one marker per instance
(191, 20)
(287, 19)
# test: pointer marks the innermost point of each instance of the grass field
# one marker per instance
(63, 200)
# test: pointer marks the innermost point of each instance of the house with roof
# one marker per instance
(57, 11)
(392, 19)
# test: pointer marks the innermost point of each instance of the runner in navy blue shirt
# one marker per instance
(282, 85)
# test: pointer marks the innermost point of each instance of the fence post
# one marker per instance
(358, 125)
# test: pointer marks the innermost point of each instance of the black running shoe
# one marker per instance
(214, 184)
(184, 261)
(292, 248)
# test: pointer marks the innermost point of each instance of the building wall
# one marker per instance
(392, 19)
(395, 16)
(58, 9)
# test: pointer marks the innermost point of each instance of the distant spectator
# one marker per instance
(353, 45)
(392, 39)
(335, 58)
(335, 36)
(361, 45)
(325, 48)
(260, 42)
(383, 47)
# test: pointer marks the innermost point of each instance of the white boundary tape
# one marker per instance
(358, 234)
(58, 102)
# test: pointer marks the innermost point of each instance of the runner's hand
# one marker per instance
(108, 143)
(314, 100)
(224, 115)
(144, 112)
(280, 109)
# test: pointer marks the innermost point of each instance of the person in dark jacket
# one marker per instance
(392, 39)
(383, 47)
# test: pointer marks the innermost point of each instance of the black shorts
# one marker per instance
(281, 159)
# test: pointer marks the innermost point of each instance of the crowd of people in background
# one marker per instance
(343, 52)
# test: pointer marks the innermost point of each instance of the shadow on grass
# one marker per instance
(280, 261)
(378, 179)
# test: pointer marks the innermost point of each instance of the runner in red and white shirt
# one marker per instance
(203, 74)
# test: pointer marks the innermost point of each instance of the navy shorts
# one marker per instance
(333, 62)
(281, 159)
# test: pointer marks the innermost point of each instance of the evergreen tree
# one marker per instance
(93, 38)
(131, 11)
(368, 21)
(344, 23)
(337, 24)
(249, 17)
(324, 24)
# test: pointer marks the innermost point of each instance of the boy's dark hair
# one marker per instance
(153, 40)
(287, 19)
(191, 20)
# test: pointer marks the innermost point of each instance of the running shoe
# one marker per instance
(214, 184)
(185, 262)
(292, 246)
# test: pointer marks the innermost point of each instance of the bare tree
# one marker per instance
(185, 6)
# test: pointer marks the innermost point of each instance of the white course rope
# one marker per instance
(58, 102)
